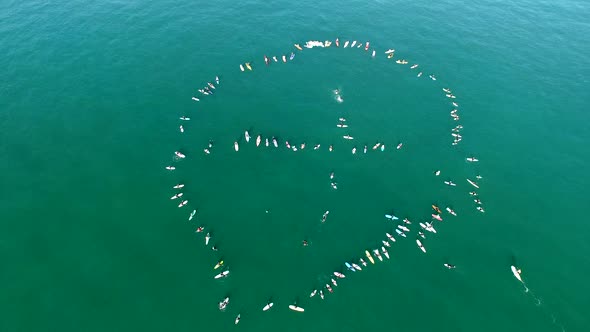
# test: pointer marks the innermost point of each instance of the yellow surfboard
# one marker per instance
(369, 257)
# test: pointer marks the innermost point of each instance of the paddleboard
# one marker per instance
(296, 308)
(515, 272)
(329, 288)
(369, 257)
(222, 274)
(268, 306)
(192, 215)
(223, 304)
(390, 237)
(449, 210)
(385, 252)
(420, 245)
(473, 183)
(376, 252)
(431, 229)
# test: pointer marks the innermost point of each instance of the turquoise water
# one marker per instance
(90, 98)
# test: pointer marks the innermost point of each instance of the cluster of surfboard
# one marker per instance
(401, 229)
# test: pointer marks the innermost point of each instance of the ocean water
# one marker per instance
(90, 99)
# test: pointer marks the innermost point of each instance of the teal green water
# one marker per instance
(90, 99)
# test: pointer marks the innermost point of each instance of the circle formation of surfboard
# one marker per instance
(402, 227)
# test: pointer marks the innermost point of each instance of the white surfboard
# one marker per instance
(296, 308)
(473, 183)
(420, 245)
(515, 272)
